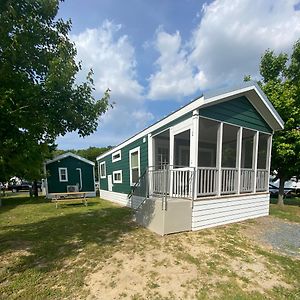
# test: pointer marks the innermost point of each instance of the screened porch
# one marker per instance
(205, 158)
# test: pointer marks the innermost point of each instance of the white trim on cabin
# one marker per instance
(118, 172)
(118, 154)
(80, 178)
(265, 108)
(137, 149)
(60, 175)
(62, 156)
(102, 174)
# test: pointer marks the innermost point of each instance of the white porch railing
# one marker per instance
(207, 181)
(229, 181)
(247, 180)
(182, 182)
(262, 180)
(157, 180)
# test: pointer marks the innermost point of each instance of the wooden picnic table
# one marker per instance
(69, 197)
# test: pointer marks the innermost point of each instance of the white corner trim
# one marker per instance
(137, 149)
(59, 174)
(101, 164)
(117, 153)
(121, 176)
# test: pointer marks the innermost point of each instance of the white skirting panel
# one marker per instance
(115, 197)
(120, 198)
(214, 212)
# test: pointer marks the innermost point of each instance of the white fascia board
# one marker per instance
(271, 108)
(62, 156)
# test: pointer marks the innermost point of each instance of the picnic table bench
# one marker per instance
(69, 197)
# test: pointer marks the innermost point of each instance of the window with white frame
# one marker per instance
(117, 176)
(116, 156)
(134, 164)
(102, 170)
(63, 174)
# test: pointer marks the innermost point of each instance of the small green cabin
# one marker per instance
(70, 173)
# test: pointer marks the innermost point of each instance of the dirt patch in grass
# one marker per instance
(142, 275)
(211, 263)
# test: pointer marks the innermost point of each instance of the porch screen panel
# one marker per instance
(247, 168)
(247, 148)
(207, 145)
(182, 149)
(229, 146)
(262, 176)
(262, 151)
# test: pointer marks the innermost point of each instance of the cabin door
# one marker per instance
(109, 183)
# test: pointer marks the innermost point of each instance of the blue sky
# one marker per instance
(158, 55)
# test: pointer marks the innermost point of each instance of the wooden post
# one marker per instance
(219, 158)
(254, 159)
(194, 152)
(238, 158)
(268, 160)
(171, 161)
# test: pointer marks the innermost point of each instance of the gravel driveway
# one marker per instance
(283, 236)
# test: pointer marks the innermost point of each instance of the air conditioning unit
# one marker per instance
(72, 188)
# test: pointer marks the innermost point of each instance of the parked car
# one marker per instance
(274, 190)
(17, 187)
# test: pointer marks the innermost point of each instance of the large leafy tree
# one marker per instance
(39, 96)
(281, 83)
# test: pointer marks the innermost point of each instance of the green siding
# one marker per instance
(71, 163)
(238, 111)
(123, 165)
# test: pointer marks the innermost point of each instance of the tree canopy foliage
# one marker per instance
(40, 98)
(281, 83)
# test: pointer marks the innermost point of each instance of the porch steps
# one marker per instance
(175, 216)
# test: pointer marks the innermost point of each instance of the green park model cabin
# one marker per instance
(204, 165)
(70, 173)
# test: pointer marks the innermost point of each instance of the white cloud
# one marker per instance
(233, 34)
(112, 58)
(226, 45)
(174, 77)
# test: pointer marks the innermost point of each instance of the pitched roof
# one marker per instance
(249, 89)
(62, 156)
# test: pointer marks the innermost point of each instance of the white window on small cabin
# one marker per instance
(117, 176)
(63, 174)
(103, 170)
(134, 164)
(116, 156)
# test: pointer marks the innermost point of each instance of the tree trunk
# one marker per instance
(281, 192)
(35, 189)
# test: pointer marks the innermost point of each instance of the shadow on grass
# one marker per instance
(50, 242)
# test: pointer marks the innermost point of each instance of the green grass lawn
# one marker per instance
(290, 211)
(49, 253)
(37, 240)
